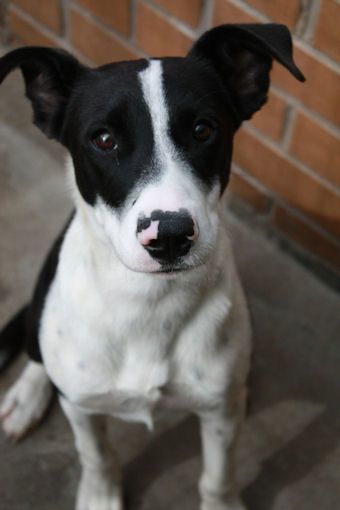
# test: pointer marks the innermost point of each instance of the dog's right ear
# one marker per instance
(49, 75)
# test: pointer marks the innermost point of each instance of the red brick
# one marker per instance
(25, 33)
(157, 37)
(307, 237)
(281, 11)
(95, 43)
(115, 13)
(225, 12)
(317, 147)
(188, 11)
(47, 13)
(327, 33)
(321, 90)
(241, 188)
(270, 119)
(277, 173)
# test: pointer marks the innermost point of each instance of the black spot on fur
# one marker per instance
(219, 432)
(168, 222)
(198, 373)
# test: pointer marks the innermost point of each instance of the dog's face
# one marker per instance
(151, 146)
(151, 141)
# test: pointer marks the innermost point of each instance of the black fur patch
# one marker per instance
(12, 338)
(171, 218)
(110, 97)
(195, 92)
(34, 311)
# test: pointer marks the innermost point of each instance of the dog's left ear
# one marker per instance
(49, 76)
(243, 55)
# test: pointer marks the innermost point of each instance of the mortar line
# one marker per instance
(207, 14)
(65, 19)
(332, 188)
(244, 6)
(279, 200)
(317, 117)
(318, 55)
(170, 18)
(288, 127)
(108, 30)
(313, 17)
(133, 22)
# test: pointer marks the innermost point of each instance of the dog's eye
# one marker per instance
(203, 130)
(104, 141)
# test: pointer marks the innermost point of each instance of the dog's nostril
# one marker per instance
(169, 248)
(181, 243)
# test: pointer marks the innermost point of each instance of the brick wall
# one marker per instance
(287, 159)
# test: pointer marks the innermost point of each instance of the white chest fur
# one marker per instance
(121, 343)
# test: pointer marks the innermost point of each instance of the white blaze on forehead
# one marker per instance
(174, 186)
(151, 80)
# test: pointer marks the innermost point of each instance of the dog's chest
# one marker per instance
(111, 354)
(123, 345)
(125, 376)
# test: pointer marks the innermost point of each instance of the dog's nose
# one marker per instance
(167, 235)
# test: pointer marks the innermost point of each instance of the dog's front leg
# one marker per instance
(100, 487)
(219, 432)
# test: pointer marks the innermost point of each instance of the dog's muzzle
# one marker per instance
(167, 235)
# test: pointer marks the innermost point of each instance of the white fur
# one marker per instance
(151, 80)
(125, 344)
(119, 340)
(27, 400)
(100, 485)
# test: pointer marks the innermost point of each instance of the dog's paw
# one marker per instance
(26, 402)
(98, 491)
(216, 496)
(222, 504)
(234, 504)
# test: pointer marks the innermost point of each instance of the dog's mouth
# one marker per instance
(174, 270)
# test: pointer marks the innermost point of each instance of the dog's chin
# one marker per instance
(165, 271)
(172, 271)
(149, 266)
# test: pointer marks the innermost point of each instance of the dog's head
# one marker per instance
(151, 140)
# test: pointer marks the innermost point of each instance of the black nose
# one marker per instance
(175, 235)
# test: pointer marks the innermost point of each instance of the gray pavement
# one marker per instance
(289, 455)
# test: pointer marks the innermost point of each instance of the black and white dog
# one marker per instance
(139, 305)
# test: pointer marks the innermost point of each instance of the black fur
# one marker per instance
(43, 284)
(223, 80)
(172, 219)
(110, 97)
(198, 93)
(243, 55)
(49, 77)
(12, 338)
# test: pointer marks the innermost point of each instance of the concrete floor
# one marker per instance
(289, 455)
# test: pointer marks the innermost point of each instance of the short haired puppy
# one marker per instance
(138, 305)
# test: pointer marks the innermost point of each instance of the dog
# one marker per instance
(139, 306)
